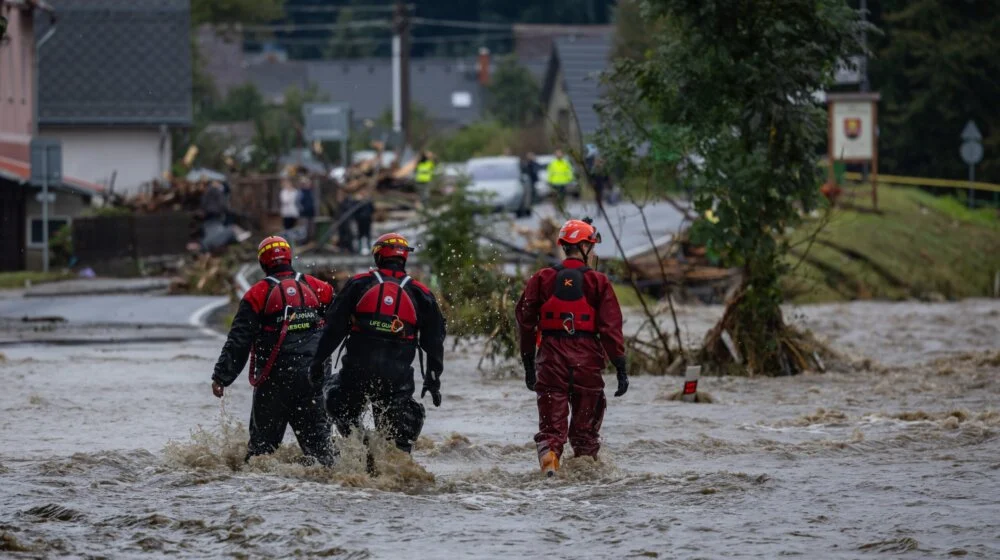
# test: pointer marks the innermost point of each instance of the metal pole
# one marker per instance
(972, 179)
(45, 210)
(397, 79)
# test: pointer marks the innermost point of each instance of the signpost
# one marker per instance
(46, 167)
(972, 153)
(853, 136)
(329, 122)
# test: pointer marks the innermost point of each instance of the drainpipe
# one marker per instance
(164, 139)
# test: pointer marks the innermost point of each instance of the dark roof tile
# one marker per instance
(116, 62)
(582, 61)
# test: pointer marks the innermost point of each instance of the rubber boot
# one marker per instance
(550, 463)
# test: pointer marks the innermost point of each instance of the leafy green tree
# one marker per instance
(514, 97)
(241, 103)
(635, 32)
(350, 42)
(732, 83)
(229, 12)
(936, 67)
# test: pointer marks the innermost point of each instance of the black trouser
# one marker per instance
(395, 411)
(288, 398)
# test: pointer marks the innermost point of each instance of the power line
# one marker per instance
(290, 27)
(333, 9)
(462, 24)
(379, 40)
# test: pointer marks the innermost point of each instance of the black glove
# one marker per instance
(432, 384)
(529, 371)
(317, 374)
(619, 364)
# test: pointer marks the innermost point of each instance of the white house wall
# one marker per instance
(93, 154)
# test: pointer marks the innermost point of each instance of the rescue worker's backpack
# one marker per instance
(386, 310)
(290, 308)
(567, 311)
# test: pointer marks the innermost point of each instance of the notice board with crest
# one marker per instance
(853, 133)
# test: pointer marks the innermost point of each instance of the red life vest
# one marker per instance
(290, 309)
(567, 311)
(386, 310)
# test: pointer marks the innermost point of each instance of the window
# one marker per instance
(35, 228)
(461, 99)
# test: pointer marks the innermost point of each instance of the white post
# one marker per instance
(397, 83)
(690, 392)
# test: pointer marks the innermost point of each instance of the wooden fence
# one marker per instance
(100, 239)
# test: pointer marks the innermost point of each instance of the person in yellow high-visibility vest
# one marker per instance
(425, 169)
(560, 176)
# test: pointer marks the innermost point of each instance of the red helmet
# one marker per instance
(578, 231)
(274, 251)
(391, 245)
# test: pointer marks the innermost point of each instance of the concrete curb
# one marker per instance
(97, 287)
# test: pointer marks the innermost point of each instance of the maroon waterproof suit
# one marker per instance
(569, 366)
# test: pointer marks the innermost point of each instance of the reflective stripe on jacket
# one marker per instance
(425, 172)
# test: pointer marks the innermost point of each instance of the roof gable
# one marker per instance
(116, 62)
(582, 61)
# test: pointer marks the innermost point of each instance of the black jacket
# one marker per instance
(390, 358)
(248, 332)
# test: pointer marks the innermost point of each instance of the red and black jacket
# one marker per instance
(596, 315)
(303, 299)
(364, 313)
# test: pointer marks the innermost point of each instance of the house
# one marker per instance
(533, 42)
(114, 80)
(448, 89)
(572, 88)
(20, 210)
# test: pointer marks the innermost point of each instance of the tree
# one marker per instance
(936, 68)
(732, 83)
(229, 12)
(241, 103)
(514, 97)
(350, 42)
(635, 33)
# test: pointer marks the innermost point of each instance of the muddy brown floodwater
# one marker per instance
(122, 451)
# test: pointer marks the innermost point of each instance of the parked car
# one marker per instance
(542, 186)
(501, 181)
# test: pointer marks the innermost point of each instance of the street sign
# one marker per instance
(41, 197)
(327, 121)
(972, 152)
(971, 133)
(46, 161)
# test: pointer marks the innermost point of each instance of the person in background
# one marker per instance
(277, 326)
(289, 204)
(560, 176)
(574, 311)
(424, 173)
(530, 168)
(307, 204)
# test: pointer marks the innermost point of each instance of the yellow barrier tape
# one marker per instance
(925, 182)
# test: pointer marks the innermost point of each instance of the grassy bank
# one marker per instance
(920, 246)
(16, 280)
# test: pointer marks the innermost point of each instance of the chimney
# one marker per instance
(484, 66)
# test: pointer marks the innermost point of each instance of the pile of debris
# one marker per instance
(681, 263)
(541, 240)
(178, 195)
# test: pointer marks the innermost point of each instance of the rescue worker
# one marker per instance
(560, 176)
(385, 317)
(425, 170)
(278, 326)
(571, 314)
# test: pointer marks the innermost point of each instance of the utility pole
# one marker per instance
(401, 73)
